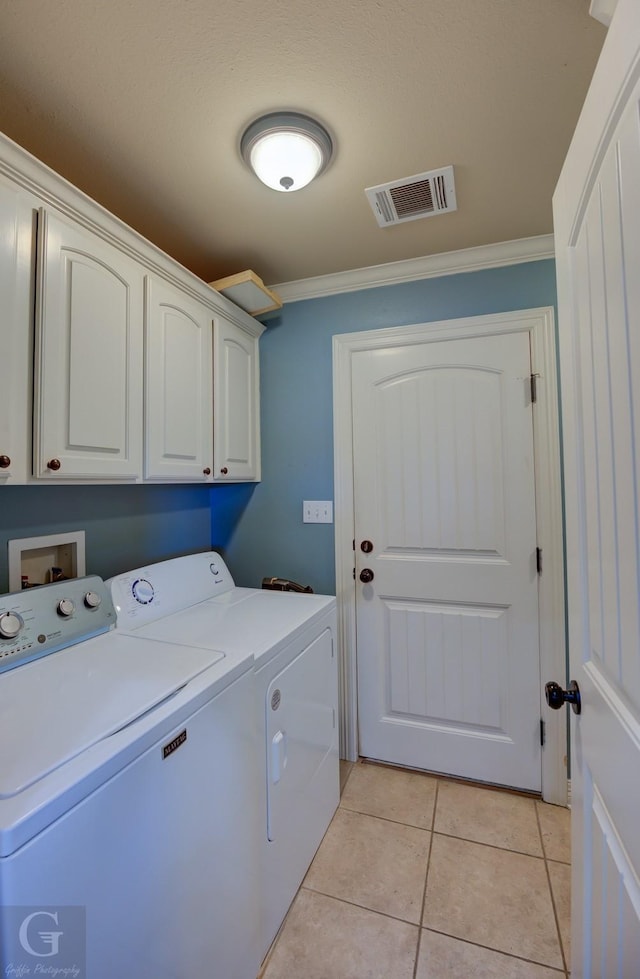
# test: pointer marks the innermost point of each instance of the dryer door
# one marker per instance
(302, 743)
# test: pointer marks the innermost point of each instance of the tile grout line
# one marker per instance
(450, 836)
(562, 970)
(361, 907)
(458, 938)
(491, 846)
(553, 900)
(412, 924)
(426, 878)
(385, 819)
(498, 951)
(452, 779)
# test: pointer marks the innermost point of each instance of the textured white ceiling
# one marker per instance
(141, 103)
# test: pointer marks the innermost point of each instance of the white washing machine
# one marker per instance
(128, 798)
(292, 638)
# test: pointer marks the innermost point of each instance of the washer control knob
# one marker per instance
(65, 607)
(10, 625)
(92, 600)
(143, 591)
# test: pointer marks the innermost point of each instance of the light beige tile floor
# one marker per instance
(425, 878)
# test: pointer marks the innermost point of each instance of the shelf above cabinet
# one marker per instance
(248, 291)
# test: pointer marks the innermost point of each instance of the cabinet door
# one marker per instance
(88, 356)
(236, 395)
(178, 403)
(16, 251)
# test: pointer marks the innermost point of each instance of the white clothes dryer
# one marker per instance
(128, 797)
(292, 638)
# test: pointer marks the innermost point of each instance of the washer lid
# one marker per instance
(244, 620)
(53, 709)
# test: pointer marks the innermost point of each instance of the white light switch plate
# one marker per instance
(317, 511)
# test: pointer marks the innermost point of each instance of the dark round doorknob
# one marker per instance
(366, 575)
(54, 464)
(557, 697)
(366, 546)
(224, 470)
(207, 471)
(5, 462)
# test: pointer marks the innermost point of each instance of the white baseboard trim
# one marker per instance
(427, 267)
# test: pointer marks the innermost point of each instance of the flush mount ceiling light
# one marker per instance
(286, 150)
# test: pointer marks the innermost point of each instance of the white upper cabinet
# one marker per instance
(178, 383)
(88, 356)
(15, 318)
(236, 408)
(118, 381)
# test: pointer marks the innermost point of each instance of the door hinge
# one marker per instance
(543, 736)
(533, 381)
(539, 560)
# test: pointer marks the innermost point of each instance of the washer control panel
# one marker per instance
(146, 594)
(41, 620)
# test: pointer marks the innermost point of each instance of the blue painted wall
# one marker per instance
(297, 418)
(125, 526)
(259, 527)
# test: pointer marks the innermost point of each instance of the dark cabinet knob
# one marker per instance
(224, 470)
(5, 462)
(366, 575)
(54, 465)
(207, 471)
(557, 697)
(366, 546)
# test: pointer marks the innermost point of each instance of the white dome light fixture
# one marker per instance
(286, 150)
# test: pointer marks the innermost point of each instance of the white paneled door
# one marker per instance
(597, 233)
(444, 497)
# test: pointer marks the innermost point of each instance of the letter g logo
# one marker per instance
(49, 939)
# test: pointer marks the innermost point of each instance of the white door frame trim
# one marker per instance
(540, 325)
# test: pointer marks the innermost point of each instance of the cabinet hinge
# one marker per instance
(353, 544)
(543, 736)
(354, 574)
(539, 560)
(533, 381)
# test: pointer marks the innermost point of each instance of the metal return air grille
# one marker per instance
(411, 198)
(420, 196)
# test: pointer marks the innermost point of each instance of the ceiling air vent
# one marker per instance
(420, 196)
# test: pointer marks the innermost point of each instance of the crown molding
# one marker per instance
(49, 188)
(427, 267)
